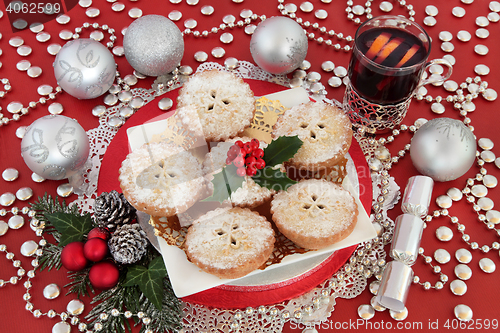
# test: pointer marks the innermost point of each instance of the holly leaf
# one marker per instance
(282, 149)
(225, 183)
(273, 179)
(72, 227)
(149, 280)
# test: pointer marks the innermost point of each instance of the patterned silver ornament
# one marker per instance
(278, 45)
(55, 147)
(153, 45)
(84, 68)
(443, 149)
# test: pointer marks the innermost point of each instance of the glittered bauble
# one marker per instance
(153, 45)
(95, 249)
(55, 147)
(104, 275)
(72, 257)
(443, 149)
(278, 45)
(84, 68)
(99, 232)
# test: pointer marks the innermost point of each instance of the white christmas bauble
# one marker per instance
(278, 45)
(443, 149)
(153, 45)
(84, 68)
(55, 147)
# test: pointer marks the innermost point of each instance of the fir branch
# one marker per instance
(48, 205)
(80, 283)
(108, 300)
(168, 318)
(50, 258)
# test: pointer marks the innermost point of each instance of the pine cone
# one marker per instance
(128, 243)
(112, 210)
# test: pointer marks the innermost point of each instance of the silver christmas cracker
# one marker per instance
(417, 196)
(407, 237)
(394, 286)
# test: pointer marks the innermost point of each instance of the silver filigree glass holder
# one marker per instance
(371, 117)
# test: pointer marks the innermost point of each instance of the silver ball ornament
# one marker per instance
(278, 45)
(443, 149)
(55, 147)
(84, 68)
(153, 45)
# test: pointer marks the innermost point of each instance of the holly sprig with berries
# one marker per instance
(247, 160)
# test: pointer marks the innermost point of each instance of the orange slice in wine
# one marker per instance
(410, 53)
(387, 49)
(377, 45)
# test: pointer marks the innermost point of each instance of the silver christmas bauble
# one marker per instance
(443, 149)
(55, 147)
(278, 45)
(153, 45)
(84, 68)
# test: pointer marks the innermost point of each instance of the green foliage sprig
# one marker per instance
(143, 287)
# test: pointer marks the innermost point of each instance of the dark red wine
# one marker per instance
(389, 47)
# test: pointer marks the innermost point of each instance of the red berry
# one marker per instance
(251, 171)
(99, 232)
(229, 160)
(241, 171)
(95, 249)
(233, 151)
(248, 147)
(249, 161)
(239, 143)
(235, 148)
(258, 153)
(259, 163)
(239, 161)
(255, 144)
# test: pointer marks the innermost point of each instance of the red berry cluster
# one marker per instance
(247, 157)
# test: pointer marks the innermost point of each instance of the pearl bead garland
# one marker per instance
(321, 29)
(22, 110)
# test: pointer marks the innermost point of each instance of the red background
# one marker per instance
(423, 306)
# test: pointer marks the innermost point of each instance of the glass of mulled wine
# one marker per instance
(387, 67)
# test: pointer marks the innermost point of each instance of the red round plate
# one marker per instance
(240, 296)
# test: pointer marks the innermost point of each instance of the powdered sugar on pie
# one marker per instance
(161, 179)
(229, 242)
(324, 129)
(314, 213)
(224, 103)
